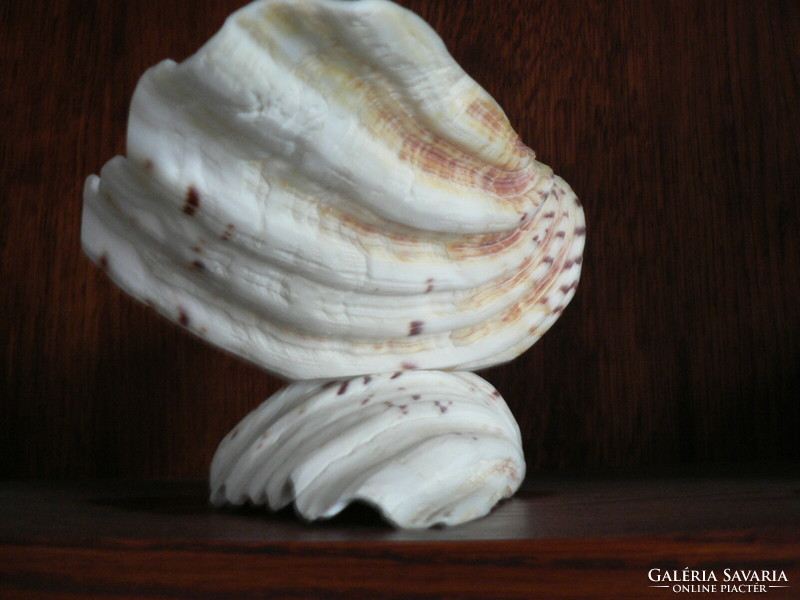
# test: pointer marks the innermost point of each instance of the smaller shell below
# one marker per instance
(423, 447)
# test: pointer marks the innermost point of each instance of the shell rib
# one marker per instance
(423, 447)
(322, 190)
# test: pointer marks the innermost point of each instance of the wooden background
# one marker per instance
(675, 122)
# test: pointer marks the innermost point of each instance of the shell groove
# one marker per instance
(423, 447)
(322, 190)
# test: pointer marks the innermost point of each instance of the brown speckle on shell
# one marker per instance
(192, 202)
(567, 288)
(415, 327)
(442, 406)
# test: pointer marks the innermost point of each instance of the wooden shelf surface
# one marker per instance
(562, 536)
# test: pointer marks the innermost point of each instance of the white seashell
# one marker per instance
(322, 190)
(423, 447)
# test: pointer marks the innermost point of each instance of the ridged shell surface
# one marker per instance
(423, 447)
(322, 190)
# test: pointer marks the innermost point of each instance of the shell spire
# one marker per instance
(322, 190)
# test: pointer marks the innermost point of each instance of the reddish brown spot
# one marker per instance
(430, 285)
(415, 327)
(183, 318)
(580, 231)
(396, 375)
(148, 164)
(408, 366)
(365, 400)
(523, 217)
(403, 408)
(579, 260)
(577, 202)
(567, 288)
(192, 201)
(544, 300)
(104, 261)
(416, 396)
(343, 388)
(199, 265)
(226, 235)
(549, 215)
(234, 434)
(496, 394)
(195, 248)
(548, 259)
(328, 385)
(561, 234)
(442, 407)
(568, 264)
(367, 379)
(558, 310)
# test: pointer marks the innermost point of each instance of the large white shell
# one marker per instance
(322, 190)
(423, 447)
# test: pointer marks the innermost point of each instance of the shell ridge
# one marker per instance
(322, 190)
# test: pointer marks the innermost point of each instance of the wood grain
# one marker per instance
(676, 123)
(562, 537)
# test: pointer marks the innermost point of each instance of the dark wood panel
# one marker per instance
(676, 123)
(561, 537)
